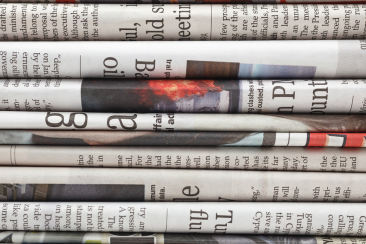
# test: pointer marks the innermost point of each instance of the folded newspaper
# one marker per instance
(250, 158)
(300, 59)
(220, 218)
(183, 138)
(180, 22)
(183, 122)
(170, 96)
(60, 184)
(21, 237)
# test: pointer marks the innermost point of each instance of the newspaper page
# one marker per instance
(220, 218)
(183, 138)
(60, 184)
(182, 122)
(300, 59)
(190, 96)
(250, 158)
(23, 237)
(181, 22)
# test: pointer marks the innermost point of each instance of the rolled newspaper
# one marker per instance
(183, 122)
(220, 218)
(21, 237)
(183, 22)
(60, 184)
(190, 96)
(308, 59)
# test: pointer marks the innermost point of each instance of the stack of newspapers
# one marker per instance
(183, 122)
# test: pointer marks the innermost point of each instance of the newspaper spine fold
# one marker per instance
(313, 59)
(110, 184)
(250, 158)
(189, 96)
(183, 122)
(219, 218)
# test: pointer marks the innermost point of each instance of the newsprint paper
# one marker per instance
(182, 122)
(60, 184)
(20, 237)
(249, 158)
(233, 218)
(181, 22)
(300, 59)
(190, 96)
(180, 138)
